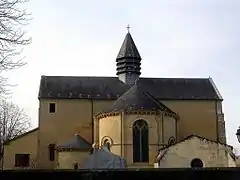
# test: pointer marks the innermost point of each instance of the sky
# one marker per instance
(176, 38)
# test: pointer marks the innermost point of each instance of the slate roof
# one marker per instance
(68, 87)
(128, 59)
(76, 142)
(136, 99)
(128, 49)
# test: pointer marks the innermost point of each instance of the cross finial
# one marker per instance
(128, 27)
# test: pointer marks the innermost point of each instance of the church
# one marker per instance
(161, 122)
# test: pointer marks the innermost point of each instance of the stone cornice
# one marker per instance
(139, 112)
(71, 150)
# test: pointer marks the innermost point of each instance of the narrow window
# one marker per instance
(140, 141)
(22, 160)
(52, 107)
(51, 148)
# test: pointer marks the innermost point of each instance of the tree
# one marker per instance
(12, 36)
(13, 121)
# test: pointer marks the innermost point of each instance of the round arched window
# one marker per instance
(196, 163)
(171, 141)
(107, 144)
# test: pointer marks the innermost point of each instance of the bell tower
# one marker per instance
(128, 61)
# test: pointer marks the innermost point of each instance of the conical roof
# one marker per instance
(75, 143)
(136, 99)
(128, 59)
(128, 49)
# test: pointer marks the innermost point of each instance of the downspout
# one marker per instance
(217, 130)
(162, 120)
(217, 126)
(38, 138)
(92, 123)
(121, 133)
(177, 127)
(158, 132)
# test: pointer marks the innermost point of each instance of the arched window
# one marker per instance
(196, 163)
(107, 144)
(171, 141)
(140, 141)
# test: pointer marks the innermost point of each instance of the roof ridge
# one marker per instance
(92, 76)
(197, 136)
(159, 103)
(180, 78)
(80, 76)
(76, 141)
(22, 135)
(215, 88)
(136, 99)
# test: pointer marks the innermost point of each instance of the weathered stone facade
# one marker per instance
(212, 154)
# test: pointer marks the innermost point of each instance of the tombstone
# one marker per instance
(104, 159)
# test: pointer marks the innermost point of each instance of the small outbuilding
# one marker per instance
(73, 152)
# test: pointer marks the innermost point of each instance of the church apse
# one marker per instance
(138, 125)
(146, 132)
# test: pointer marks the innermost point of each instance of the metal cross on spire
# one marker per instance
(128, 27)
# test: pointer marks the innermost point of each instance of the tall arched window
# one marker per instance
(140, 141)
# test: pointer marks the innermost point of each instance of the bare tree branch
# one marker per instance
(12, 37)
(13, 121)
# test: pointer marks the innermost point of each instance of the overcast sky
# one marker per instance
(176, 38)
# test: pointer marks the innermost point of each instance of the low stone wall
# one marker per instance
(169, 174)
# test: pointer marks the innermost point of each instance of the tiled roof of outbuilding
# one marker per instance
(76, 142)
